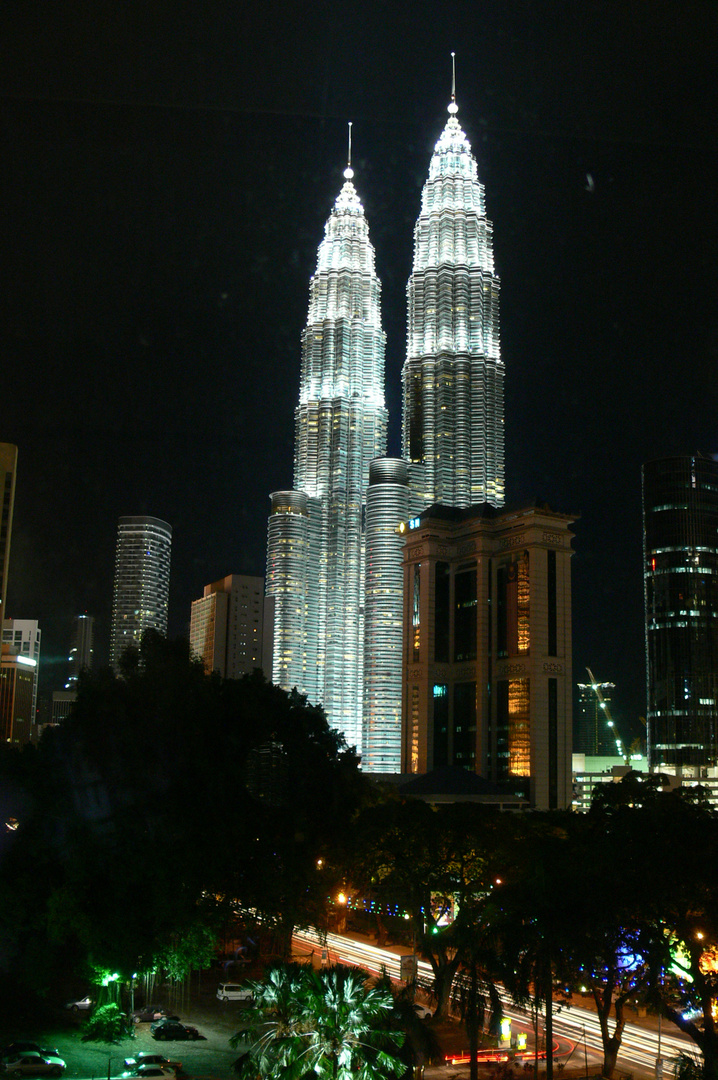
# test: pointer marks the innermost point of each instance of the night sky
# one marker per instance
(167, 172)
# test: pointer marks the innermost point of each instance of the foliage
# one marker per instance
(108, 1023)
(328, 1023)
(135, 808)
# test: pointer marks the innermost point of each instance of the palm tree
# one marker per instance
(328, 1024)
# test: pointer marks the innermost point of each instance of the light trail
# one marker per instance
(639, 1046)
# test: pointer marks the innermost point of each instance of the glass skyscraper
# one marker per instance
(680, 529)
(315, 547)
(142, 582)
(453, 419)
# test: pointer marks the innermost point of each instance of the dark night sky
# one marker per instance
(167, 171)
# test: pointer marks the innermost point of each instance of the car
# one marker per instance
(233, 992)
(172, 1029)
(146, 1057)
(423, 1011)
(148, 1013)
(160, 1072)
(14, 1048)
(30, 1063)
(81, 1005)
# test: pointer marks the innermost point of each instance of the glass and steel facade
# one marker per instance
(680, 529)
(453, 418)
(387, 505)
(142, 582)
(315, 548)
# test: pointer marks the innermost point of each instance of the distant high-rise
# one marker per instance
(453, 418)
(8, 472)
(81, 649)
(142, 581)
(315, 546)
(227, 626)
(591, 733)
(680, 571)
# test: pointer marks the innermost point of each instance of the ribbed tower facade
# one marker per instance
(140, 597)
(453, 418)
(315, 556)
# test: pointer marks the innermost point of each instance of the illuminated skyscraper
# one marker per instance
(453, 416)
(142, 582)
(453, 419)
(315, 547)
(81, 649)
(680, 571)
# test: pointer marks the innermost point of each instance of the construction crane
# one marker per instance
(596, 687)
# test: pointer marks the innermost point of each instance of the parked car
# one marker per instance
(172, 1029)
(30, 1063)
(14, 1048)
(233, 992)
(149, 1013)
(81, 1005)
(423, 1011)
(156, 1072)
(146, 1057)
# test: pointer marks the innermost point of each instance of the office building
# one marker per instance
(680, 569)
(8, 474)
(18, 694)
(23, 638)
(82, 646)
(227, 626)
(592, 734)
(487, 647)
(315, 542)
(142, 581)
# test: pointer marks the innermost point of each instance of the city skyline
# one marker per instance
(163, 226)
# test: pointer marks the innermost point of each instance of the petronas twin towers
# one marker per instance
(334, 557)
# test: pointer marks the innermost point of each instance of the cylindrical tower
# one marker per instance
(387, 505)
(680, 570)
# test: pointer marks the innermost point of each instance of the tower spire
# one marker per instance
(349, 172)
(453, 107)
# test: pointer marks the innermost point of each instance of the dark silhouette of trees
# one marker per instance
(168, 800)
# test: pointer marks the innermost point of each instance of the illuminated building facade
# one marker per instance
(227, 626)
(387, 504)
(18, 691)
(142, 582)
(591, 732)
(680, 548)
(453, 401)
(453, 397)
(82, 648)
(487, 647)
(22, 638)
(8, 473)
(315, 544)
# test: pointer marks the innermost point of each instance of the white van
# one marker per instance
(233, 992)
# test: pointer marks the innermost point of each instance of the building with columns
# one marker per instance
(487, 647)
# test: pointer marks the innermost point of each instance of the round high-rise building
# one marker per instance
(142, 582)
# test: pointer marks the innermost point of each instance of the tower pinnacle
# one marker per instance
(453, 107)
(349, 172)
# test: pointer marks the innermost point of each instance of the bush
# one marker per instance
(107, 1024)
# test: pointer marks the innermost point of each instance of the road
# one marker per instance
(639, 1047)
